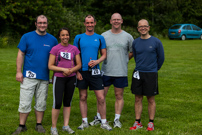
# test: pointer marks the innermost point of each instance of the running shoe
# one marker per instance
(136, 125)
(96, 121)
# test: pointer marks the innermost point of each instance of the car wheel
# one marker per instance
(183, 37)
(201, 37)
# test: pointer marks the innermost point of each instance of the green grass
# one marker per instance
(178, 110)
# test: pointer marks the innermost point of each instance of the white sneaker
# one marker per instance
(83, 125)
(96, 121)
(106, 126)
(117, 123)
(54, 131)
(68, 129)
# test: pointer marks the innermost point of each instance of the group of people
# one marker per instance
(78, 66)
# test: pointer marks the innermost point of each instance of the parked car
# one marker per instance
(184, 31)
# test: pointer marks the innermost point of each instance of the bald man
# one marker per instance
(115, 66)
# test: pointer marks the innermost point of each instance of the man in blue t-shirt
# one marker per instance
(148, 53)
(89, 44)
(33, 55)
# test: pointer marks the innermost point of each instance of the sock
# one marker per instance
(53, 128)
(138, 120)
(117, 116)
(98, 115)
(66, 126)
(21, 125)
(104, 121)
(85, 120)
(38, 124)
(151, 120)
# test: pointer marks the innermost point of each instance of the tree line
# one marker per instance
(17, 16)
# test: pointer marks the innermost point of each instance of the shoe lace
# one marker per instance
(54, 131)
(150, 125)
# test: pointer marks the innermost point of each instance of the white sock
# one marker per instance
(117, 116)
(85, 120)
(104, 121)
(98, 115)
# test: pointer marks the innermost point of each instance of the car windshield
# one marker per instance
(175, 27)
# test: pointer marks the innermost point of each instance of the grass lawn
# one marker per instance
(179, 106)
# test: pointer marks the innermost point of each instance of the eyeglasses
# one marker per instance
(40, 23)
(116, 20)
(145, 26)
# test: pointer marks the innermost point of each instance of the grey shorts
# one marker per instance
(28, 89)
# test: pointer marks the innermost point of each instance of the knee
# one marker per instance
(83, 98)
(119, 97)
(101, 99)
(57, 105)
(138, 99)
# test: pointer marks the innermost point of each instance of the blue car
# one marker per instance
(184, 31)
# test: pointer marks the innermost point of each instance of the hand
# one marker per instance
(19, 77)
(93, 63)
(79, 76)
(67, 72)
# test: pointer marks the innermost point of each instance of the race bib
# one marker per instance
(65, 55)
(136, 75)
(30, 74)
(96, 72)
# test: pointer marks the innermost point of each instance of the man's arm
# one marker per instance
(130, 55)
(19, 63)
(93, 63)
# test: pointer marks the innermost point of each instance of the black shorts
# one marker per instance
(145, 83)
(94, 82)
(63, 90)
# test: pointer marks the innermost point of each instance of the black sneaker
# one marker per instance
(19, 130)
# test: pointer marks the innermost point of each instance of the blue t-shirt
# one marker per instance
(89, 46)
(148, 54)
(36, 48)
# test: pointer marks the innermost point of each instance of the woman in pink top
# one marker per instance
(64, 60)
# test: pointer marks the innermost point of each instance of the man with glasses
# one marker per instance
(148, 53)
(115, 66)
(33, 55)
(89, 44)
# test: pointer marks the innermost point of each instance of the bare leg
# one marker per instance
(39, 116)
(105, 94)
(151, 107)
(83, 102)
(55, 114)
(66, 115)
(23, 118)
(101, 103)
(138, 106)
(119, 100)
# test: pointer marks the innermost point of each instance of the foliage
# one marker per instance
(178, 106)
(18, 16)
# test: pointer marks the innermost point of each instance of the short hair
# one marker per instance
(142, 20)
(64, 28)
(89, 16)
(42, 16)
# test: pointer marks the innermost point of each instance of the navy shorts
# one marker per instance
(145, 83)
(94, 82)
(119, 82)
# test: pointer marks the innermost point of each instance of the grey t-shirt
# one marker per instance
(118, 46)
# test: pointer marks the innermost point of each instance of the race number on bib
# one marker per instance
(65, 55)
(95, 72)
(30, 74)
(136, 75)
